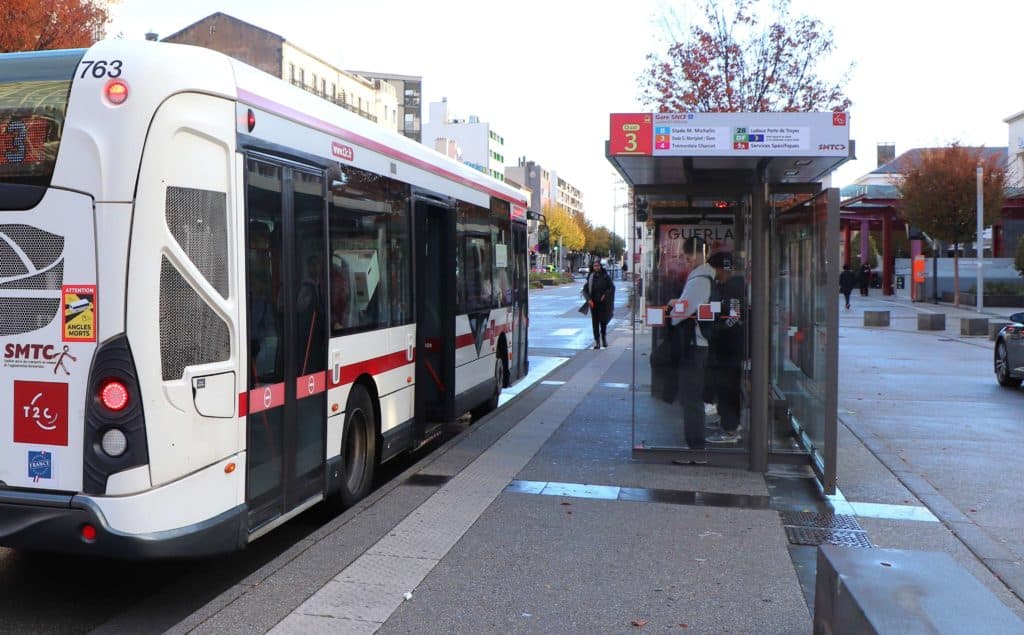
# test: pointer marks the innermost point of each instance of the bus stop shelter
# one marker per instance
(754, 187)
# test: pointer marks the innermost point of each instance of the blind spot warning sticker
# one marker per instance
(79, 313)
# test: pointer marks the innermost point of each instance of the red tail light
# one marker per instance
(88, 533)
(114, 395)
(116, 92)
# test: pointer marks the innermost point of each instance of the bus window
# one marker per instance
(369, 237)
(476, 270)
(33, 100)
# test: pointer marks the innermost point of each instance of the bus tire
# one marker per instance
(491, 404)
(358, 447)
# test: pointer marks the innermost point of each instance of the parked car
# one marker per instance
(1008, 359)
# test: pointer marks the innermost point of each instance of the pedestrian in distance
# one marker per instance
(847, 280)
(726, 344)
(694, 346)
(865, 278)
(599, 290)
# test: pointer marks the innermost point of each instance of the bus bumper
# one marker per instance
(54, 522)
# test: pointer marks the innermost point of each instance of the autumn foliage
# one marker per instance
(735, 63)
(38, 25)
(939, 190)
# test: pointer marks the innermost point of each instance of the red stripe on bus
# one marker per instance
(243, 405)
(353, 137)
(309, 385)
(266, 397)
(374, 366)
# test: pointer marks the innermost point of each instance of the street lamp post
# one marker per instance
(979, 250)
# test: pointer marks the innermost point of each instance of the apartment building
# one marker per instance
(373, 99)
(481, 147)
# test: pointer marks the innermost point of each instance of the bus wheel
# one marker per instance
(492, 403)
(358, 447)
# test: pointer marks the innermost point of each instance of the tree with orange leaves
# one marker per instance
(39, 25)
(734, 63)
(939, 188)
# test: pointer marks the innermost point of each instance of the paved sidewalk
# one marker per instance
(537, 520)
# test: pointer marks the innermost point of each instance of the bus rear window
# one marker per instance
(34, 91)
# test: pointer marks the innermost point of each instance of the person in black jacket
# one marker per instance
(847, 280)
(865, 278)
(600, 294)
(726, 348)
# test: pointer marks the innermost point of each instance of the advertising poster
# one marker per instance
(718, 233)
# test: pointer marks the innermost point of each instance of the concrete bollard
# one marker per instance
(896, 591)
(931, 321)
(876, 318)
(994, 326)
(973, 326)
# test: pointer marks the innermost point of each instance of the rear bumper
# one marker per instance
(53, 522)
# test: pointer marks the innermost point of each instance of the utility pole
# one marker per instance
(980, 245)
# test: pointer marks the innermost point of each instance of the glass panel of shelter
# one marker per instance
(691, 362)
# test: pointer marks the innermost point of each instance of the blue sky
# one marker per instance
(548, 74)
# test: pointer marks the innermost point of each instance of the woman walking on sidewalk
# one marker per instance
(600, 294)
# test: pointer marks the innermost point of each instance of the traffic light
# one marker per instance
(641, 209)
(543, 239)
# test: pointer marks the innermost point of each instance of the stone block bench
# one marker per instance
(862, 591)
(974, 326)
(876, 318)
(931, 321)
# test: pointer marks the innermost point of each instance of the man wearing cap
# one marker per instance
(725, 348)
(694, 345)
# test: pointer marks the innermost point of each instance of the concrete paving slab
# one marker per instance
(596, 566)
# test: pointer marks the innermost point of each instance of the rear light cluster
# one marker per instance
(115, 425)
(113, 395)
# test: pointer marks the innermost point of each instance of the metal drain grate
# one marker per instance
(818, 536)
(820, 520)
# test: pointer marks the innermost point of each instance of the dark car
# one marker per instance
(1009, 353)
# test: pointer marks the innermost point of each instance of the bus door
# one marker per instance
(435, 313)
(287, 337)
(519, 365)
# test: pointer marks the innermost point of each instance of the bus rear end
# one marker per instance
(75, 450)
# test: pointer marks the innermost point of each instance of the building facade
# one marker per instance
(482, 148)
(409, 89)
(373, 99)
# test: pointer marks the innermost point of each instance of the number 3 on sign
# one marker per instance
(630, 142)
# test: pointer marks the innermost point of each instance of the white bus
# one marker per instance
(264, 297)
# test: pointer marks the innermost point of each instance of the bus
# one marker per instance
(224, 299)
